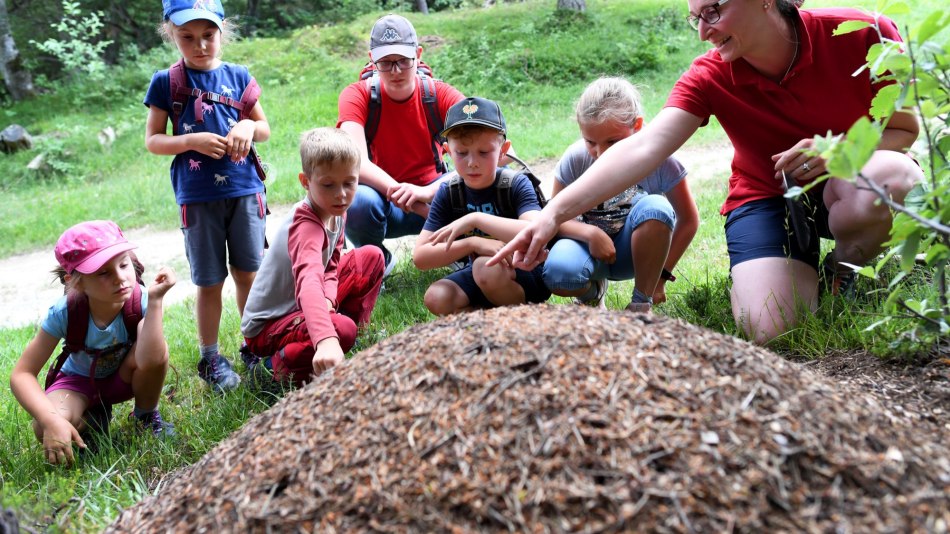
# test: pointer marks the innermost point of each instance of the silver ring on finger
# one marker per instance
(805, 167)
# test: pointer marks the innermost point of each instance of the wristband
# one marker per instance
(668, 276)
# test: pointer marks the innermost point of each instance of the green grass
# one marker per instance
(482, 52)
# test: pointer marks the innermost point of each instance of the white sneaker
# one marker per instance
(598, 300)
(389, 266)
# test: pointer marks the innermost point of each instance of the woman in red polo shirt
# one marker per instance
(775, 78)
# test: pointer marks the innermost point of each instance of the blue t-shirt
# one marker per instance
(195, 176)
(97, 338)
(481, 200)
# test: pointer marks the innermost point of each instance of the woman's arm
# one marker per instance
(620, 167)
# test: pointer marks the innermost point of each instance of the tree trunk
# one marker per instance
(573, 5)
(18, 80)
(253, 8)
(422, 6)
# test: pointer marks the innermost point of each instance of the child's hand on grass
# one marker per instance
(164, 280)
(58, 437)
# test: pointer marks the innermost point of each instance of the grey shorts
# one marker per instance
(221, 233)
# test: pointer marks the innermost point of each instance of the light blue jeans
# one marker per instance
(570, 266)
(371, 219)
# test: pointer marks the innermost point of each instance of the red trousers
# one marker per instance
(286, 339)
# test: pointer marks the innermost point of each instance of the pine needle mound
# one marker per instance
(563, 418)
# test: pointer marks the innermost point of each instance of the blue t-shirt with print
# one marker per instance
(97, 338)
(195, 176)
(523, 199)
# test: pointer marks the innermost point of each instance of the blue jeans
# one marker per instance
(570, 266)
(371, 219)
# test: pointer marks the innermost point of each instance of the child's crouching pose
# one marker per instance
(122, 354)
(468, 219)
(309, 297)
(640, 233)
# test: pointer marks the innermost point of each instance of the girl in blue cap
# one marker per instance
(217, 186)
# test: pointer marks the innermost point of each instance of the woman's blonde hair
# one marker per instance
(609, 99)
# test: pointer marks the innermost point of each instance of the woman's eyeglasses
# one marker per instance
(405, 63)
(709, 14)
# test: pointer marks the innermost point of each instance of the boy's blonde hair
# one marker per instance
(609, 99)
(326, 146)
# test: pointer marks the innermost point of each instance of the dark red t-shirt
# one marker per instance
(762, 117)
(402, 145)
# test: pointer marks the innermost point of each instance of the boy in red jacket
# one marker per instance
(309, 298)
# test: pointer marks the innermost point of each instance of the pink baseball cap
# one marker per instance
(87, 246)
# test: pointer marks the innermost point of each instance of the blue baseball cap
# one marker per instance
(181, 12)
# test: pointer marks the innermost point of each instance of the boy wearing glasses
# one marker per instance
(398, 173)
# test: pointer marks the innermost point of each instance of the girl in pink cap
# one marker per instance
(120, 354)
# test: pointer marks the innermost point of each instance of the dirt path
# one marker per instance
(27, 288)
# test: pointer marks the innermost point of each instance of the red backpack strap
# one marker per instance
(77, 323)
(132, 314)
(181, 94)
(249, 98)
(179, 91)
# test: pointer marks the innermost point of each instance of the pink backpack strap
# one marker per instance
(181, 94)
(77, 323)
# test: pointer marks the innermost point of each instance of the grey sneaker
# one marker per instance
(249, 358)
(217, 372)
(640, 307)
(153, 423)
(390, 259)
(597, 301)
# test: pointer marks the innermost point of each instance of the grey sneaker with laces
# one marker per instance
(217, 372)
(153, 423)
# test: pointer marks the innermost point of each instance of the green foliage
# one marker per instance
(79, 49)
(920, 72)
(560, 48)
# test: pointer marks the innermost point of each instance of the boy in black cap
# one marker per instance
(477, 225)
